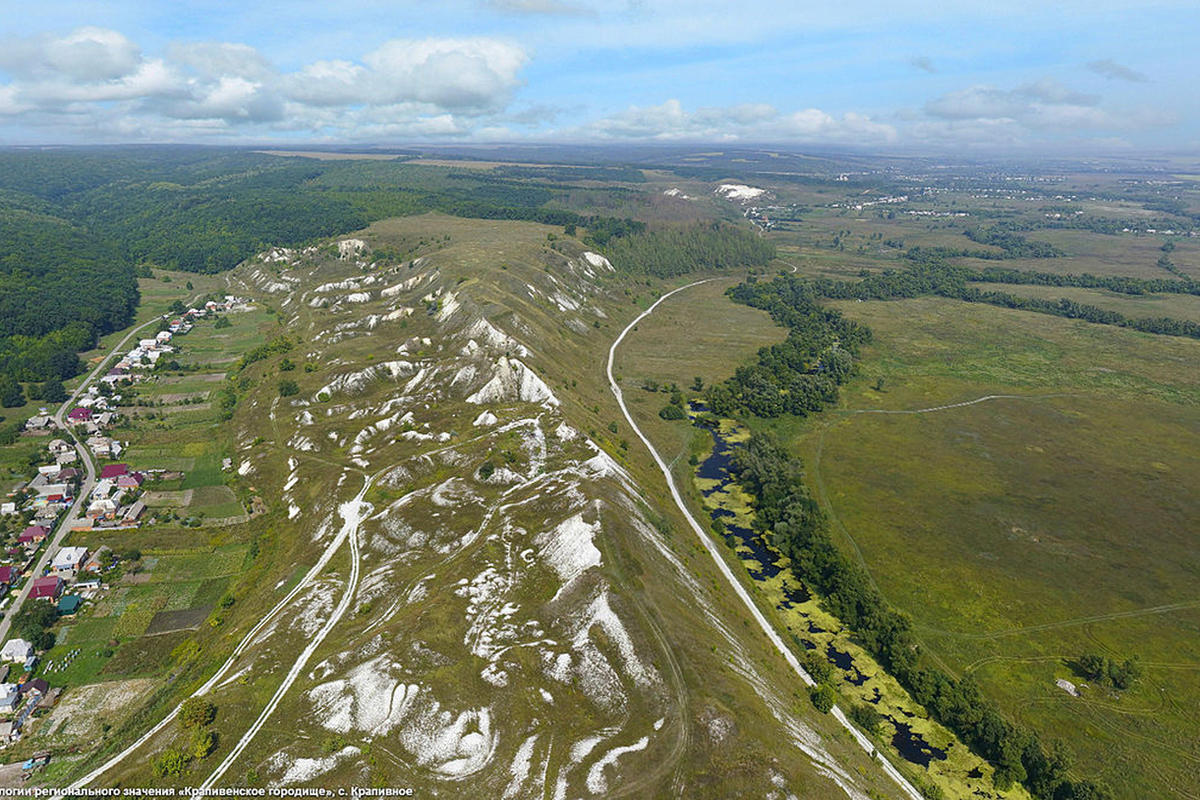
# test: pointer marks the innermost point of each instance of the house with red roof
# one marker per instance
(113, 471)
(79, 414)
(33, 534)
(132, 480)
(7, 575)
(48, 587)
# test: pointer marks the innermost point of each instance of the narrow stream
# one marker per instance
(763, 563)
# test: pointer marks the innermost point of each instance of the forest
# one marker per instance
(670, 251)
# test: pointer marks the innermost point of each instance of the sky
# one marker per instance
(1003, 75)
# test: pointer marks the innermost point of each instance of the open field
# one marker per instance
(1021, 533)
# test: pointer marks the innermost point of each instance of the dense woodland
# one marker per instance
(672, 251)
(800, 375)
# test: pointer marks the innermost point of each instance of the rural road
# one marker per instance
(85, 490)
(715, 551)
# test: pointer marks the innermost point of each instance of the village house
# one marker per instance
(39, 422)
(131, 480)
(48, 587)
(7, 508)
(7, 576)
(16, 650)
(79, 415)
(68, 561)
(10, 698)
(113, 470)
(104, 447)
(69, 604)
(34, 534)
(98, 560)
(103, 508)
(58, 446)
(133, 513)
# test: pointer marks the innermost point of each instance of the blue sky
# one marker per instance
(1078, 77)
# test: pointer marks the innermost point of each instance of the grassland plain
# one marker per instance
(1021, 532)
(701, 333)
(506, 269)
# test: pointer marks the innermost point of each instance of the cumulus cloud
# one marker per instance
(102, 80)
(85, 54)
(1114, 71)
(1044, 103)
(746, 122)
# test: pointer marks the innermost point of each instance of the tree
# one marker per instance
(287, 365)
(176, 307)
(697, 384)
(288, 387)
(866, 717)
(11, 394)
(196, 712)
(222, 322)
(53, 391)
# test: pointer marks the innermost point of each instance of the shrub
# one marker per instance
(866, 717)
(288, 387)
(672, 412)
(823, 697)
(196, 712)
(169, 763)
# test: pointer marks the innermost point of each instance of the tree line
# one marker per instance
(800, 375)
(936, 277)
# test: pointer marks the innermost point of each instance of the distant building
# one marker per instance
(1067, 687)
(78, 415)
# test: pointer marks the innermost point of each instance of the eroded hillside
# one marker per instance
(475, 587)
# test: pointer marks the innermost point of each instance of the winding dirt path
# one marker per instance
(723, 567)
(353, 513)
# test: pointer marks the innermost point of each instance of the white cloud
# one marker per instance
(85, 54)
(549, 7)
(1042, 110)
(746, 122)
(91, 78)
(1042, 104)
(221, 59)
(451, 73)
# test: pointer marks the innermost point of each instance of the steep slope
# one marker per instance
(471, 590)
